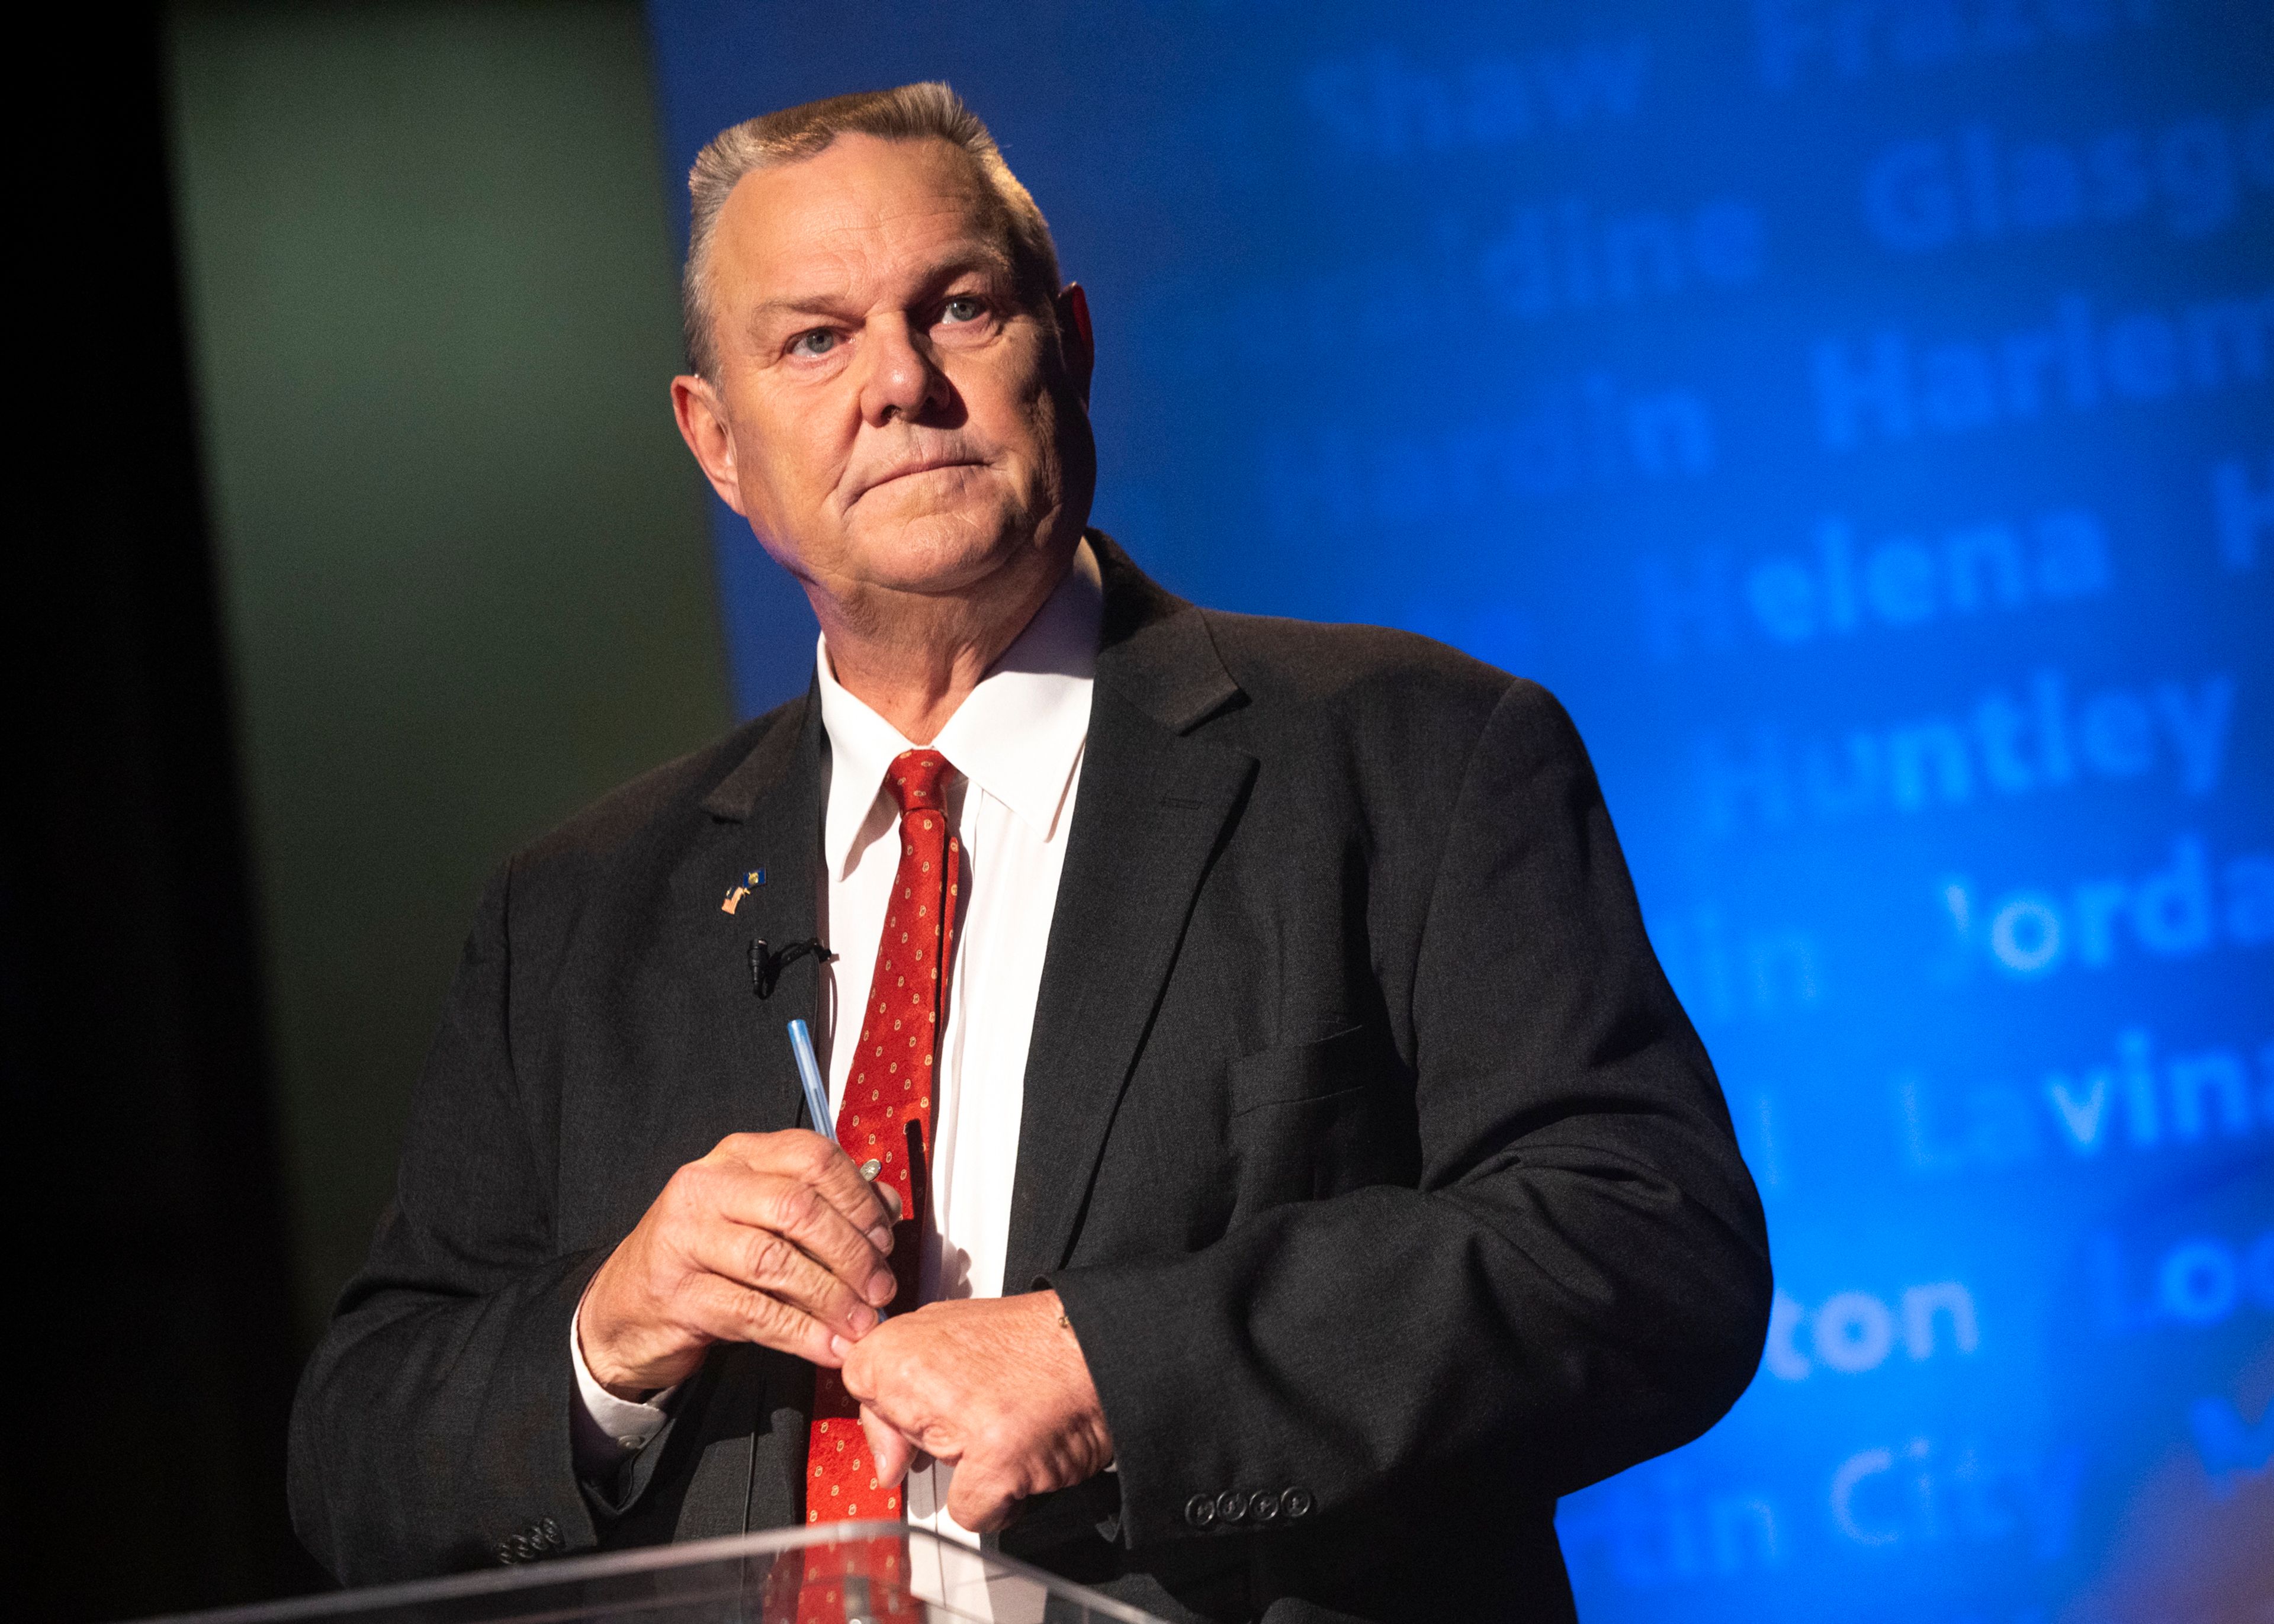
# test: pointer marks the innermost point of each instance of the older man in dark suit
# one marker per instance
(1274, 1168)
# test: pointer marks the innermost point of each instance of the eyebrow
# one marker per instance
(966, 258)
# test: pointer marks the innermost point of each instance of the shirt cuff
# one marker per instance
(608, 1430)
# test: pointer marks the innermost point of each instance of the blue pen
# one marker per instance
(817, 1095)
(809, 1073)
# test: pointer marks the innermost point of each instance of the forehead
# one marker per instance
(860, 209)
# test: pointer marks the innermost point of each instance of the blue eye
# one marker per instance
(820, 342)
(963, 308)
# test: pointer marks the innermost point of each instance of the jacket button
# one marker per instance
(1263, 1506)
(1232, 1507)
(505, 1553)
(1200, 1511)
(549, 1532)
(1295, 1503)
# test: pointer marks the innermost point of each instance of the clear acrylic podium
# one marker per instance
(846, 1572)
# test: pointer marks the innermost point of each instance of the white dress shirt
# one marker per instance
(1016, 744)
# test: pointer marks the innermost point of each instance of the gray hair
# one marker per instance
(927, 112)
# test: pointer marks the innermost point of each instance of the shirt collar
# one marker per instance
(1018, 735)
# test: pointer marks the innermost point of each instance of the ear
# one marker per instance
(1075, 338)
(703, 425)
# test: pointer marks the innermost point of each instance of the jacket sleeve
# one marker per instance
(1579, 1278)
(432, 1427)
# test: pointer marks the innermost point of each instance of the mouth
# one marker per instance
(915, 466)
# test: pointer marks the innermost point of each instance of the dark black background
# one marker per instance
(151, 1348)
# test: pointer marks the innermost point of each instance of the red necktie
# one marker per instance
(889, 1088)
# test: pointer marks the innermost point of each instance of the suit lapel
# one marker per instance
(769, 813)
(1153, 810)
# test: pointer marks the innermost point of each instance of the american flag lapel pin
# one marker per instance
(741, 889)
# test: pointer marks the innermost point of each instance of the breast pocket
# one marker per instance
(1312, 1120)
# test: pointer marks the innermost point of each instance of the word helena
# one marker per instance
(1923, 195)
(2007, 744)
(2171, 913)
(2133, 1102)
(2196, 1284)
(1839, 589)
(2076, 361)
(1853, 1332)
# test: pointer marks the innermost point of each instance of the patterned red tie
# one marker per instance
(888, 1089)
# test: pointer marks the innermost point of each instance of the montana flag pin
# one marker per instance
(742, 888)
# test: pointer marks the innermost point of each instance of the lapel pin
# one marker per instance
(749, 882)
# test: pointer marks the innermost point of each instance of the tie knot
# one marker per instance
(917, 780)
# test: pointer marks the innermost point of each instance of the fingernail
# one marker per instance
(881, 1287)
(863, 1318)
(842, 1349)
(881, 1239)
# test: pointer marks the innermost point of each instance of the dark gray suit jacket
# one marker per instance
(1384, 1181)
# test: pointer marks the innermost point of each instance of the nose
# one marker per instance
(903, 380)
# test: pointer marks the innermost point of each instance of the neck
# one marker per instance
(914, 658)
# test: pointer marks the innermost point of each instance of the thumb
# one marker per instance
(891, 1451)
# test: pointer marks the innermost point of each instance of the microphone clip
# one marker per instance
(767, 965)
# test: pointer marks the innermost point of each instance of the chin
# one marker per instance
(942, 550)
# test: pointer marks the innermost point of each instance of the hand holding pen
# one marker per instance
(773, 1238)
(817, 1104)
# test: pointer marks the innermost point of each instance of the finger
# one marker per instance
(794, 1153)
(767, 1261)
(726, 1312)
(836, 1173)
(774, 1204)
(982, 1500)
(893, 1453)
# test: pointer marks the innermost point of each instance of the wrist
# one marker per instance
(610, 1373)
(1088, 1410)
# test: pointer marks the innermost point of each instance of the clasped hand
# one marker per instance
(775, 1238)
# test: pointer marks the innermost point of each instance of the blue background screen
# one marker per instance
(1858, 412)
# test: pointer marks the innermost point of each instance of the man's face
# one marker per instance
(896, 419)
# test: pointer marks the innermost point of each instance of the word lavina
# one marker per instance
(2197, 1283)
(1919, 196)
(1567, 258)
(1384, 107)
(1595, 434)
(2077, 362)
(1853, 39)
(1838, 589)
(1853, 1331)
(2170, 912)
(2008, 743)
(2245, 512)
(2133, 1102)
(1917, 1495)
